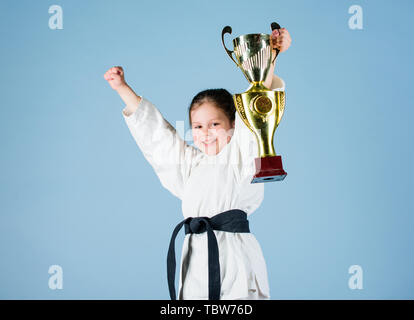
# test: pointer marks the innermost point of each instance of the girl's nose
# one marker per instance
(208, 132)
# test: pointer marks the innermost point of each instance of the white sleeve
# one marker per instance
(277, 84)
(169, 155)
(246, 139)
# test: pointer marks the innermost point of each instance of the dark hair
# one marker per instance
(220, 97)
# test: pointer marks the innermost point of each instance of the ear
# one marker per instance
(233, 123)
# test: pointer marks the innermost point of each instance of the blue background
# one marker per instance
(77, 192)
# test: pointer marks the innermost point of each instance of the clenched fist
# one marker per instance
(281, 39)
(115, 77)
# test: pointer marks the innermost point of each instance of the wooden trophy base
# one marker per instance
(269, 169)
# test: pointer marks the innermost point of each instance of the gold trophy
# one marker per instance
(260, 109)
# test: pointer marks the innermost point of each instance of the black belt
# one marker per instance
(234, 220)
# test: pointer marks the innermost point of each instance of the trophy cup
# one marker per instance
(260, 109)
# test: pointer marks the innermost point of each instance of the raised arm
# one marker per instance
(281, 40)
(169, 155)
(116, 79)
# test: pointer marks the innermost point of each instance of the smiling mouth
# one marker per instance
(209, 144)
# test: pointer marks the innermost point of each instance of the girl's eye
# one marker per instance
(215, 123)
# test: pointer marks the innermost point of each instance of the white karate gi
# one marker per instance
(208, 185)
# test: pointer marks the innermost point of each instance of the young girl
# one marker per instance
(220, 258)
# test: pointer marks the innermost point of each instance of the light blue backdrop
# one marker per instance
(77, 192)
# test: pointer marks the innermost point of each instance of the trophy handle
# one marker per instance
(227, 29)
(274, 26)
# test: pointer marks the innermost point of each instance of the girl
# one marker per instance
(220, 258)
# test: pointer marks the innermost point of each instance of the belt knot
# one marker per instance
(197, 225)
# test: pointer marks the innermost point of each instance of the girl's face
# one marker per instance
(211, 128)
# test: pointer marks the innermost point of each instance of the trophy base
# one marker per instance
(269, 169)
